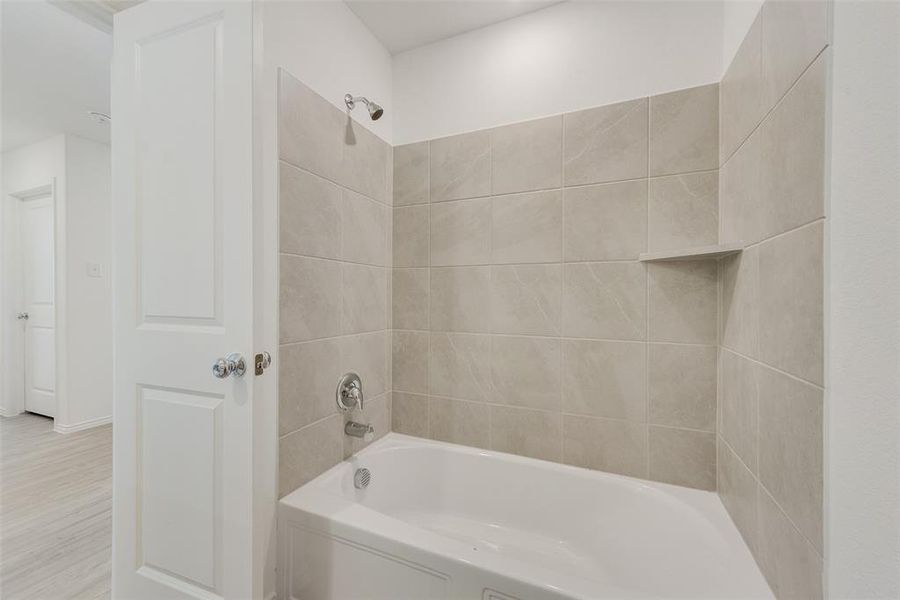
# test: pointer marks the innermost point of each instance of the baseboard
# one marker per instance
(81, 426)
(5, 412)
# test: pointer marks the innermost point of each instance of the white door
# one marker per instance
(181, 146)
(38, 314)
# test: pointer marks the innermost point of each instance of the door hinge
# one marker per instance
(262, 361)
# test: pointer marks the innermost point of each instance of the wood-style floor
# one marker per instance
(55, 511)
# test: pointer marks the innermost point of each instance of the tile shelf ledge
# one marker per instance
(695, 253)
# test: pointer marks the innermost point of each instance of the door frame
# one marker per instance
(11, 268)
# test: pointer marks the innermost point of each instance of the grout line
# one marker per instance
(784, 233)
(776, 369)
(529, 335)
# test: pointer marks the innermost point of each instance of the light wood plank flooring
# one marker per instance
(55, 511)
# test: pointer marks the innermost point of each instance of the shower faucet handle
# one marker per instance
(349, 393)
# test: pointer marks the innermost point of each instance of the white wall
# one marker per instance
(566, 57)
(327, 47)
(89, 309)
(862, 450)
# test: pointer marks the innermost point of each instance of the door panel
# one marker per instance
(182, 175)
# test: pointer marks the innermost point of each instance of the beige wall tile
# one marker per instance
(461, 166)
(365, 167)
(527, 228)
(409, 414)
(793, 33)
(307, 453)
(309, 213)
(788, 562)
(307, 375)
(683, 298)
(684, 130)
(791, 303)
(309, 298)
(411, 174)
(741, 93)
(460, 366)
(461, 299)
(605, 300)
(364, 291)
(409, 303)
(459, 422)
(739, 195)
(527, 299)
(737, 489)
(410, 361)
(534, 433)
(606, 445)
(525, 372)
(367, 355)
(461, 233)
(790, 449)
(527, 156)
(683, 211)
(608, 143)
(682, 382)
(605, 379)
(792, 141)
(411, 231)
(310, 129)
(740, 302)
(739, 406)
(364, 229)
(683, 457)
(605, 222)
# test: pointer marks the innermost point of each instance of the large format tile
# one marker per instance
(737, 489)
(684, 131)
(608, 143)
(792, 168)
(309, 213)
(682, 382)
(793, 33)
(364, 306)
(461, 233)
(605, 222)
(460, 366)
(459, 422)
(366, 162)
(307, 374)
(683, 457)
(411, 231)
(527, 156)
(411, 174)
(605, 300)
(683, 211)
(739, 195)
(534, 433)
(606, 445)
(410, 361)
(409, 414)
(367, 355)
(525, 371)
(364, 230)
(461, 299)
(310, 295)
(310, 129)
(409, 298)
(740, 302)
(526, 299)
(683, 299)
(791, 303)
(527, 228)
(307, 453)
(790, 449)
(605, 379)
(741, 105)
(461, 166)
(739, 406)
(788, 562)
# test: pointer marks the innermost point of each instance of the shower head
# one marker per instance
(375, 111)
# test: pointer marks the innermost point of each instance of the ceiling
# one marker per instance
(55, 70)
(405, 24)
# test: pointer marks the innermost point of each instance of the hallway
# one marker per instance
(55, 510)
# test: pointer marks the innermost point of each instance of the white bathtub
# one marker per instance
(446, 521)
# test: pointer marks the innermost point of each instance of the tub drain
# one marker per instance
(361, 478)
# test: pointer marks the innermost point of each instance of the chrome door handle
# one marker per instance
(233, 364)
(22, 316)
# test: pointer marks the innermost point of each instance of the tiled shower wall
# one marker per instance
(335, 248)
(523, 320)
(772, 178)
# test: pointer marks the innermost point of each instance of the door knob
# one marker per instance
(22, 316)
(233, 364)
